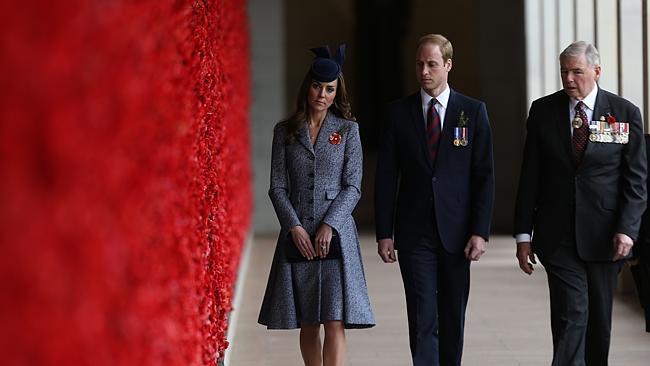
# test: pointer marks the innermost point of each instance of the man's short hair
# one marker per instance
(578, 48)
(438, 39)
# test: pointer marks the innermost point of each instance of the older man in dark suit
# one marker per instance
(581, 195)
(434, 192)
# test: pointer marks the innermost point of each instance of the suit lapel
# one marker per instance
(417, 120)
(601, 108)
(563, 125)
(451, 121)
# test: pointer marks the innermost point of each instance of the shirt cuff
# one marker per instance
(522, 238)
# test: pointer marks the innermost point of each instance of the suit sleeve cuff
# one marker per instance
(523, 237)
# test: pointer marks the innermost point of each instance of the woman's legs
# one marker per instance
(310, 346)
(334, 345)
(333, 349)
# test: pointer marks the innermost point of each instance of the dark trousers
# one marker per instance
(581, 295)
(436, 284)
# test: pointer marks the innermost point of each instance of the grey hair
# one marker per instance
(578, 48)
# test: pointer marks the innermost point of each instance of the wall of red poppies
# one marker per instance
(124, 194)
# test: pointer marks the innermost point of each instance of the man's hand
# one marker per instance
(386, 250)
(622, 246)
(526, 257)
(475, 248)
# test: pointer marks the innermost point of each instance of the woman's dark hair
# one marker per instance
(341, 106)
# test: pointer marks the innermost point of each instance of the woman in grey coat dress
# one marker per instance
(316, 169)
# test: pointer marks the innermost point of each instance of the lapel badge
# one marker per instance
(335, 138)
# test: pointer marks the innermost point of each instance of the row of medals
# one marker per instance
(460, 136)
(601, 131)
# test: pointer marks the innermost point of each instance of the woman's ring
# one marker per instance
(323, 247)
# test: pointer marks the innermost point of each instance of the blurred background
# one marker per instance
(505, 54)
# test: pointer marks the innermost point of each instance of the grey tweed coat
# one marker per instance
(310, 185)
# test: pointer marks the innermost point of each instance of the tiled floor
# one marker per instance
(507, 318)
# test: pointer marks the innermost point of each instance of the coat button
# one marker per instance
(311, 201)
(311, 187)
(311, 175)
(434, 179)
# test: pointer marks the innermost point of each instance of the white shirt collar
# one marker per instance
(443, 98)
(589, 101)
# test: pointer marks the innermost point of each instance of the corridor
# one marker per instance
(507, 317)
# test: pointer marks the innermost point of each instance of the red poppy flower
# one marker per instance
(611, 119)
(335, 138)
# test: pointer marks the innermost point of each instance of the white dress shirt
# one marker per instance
(589, 101)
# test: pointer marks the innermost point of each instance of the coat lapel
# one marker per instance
(451, 121)
(417, 120)
(601, 108)
(303, 137)
(330, 125)
(563, 125)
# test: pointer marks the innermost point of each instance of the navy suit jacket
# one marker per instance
(588, 204)
(411, 191)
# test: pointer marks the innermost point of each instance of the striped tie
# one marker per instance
(433, 129)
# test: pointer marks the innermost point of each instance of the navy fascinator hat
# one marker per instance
(326, 68)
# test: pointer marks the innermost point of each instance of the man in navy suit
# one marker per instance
(582, 193)
(434, 192)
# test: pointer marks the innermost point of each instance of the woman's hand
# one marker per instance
(323, 239)
(301, 241)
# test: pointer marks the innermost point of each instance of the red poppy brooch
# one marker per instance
(335, 138)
